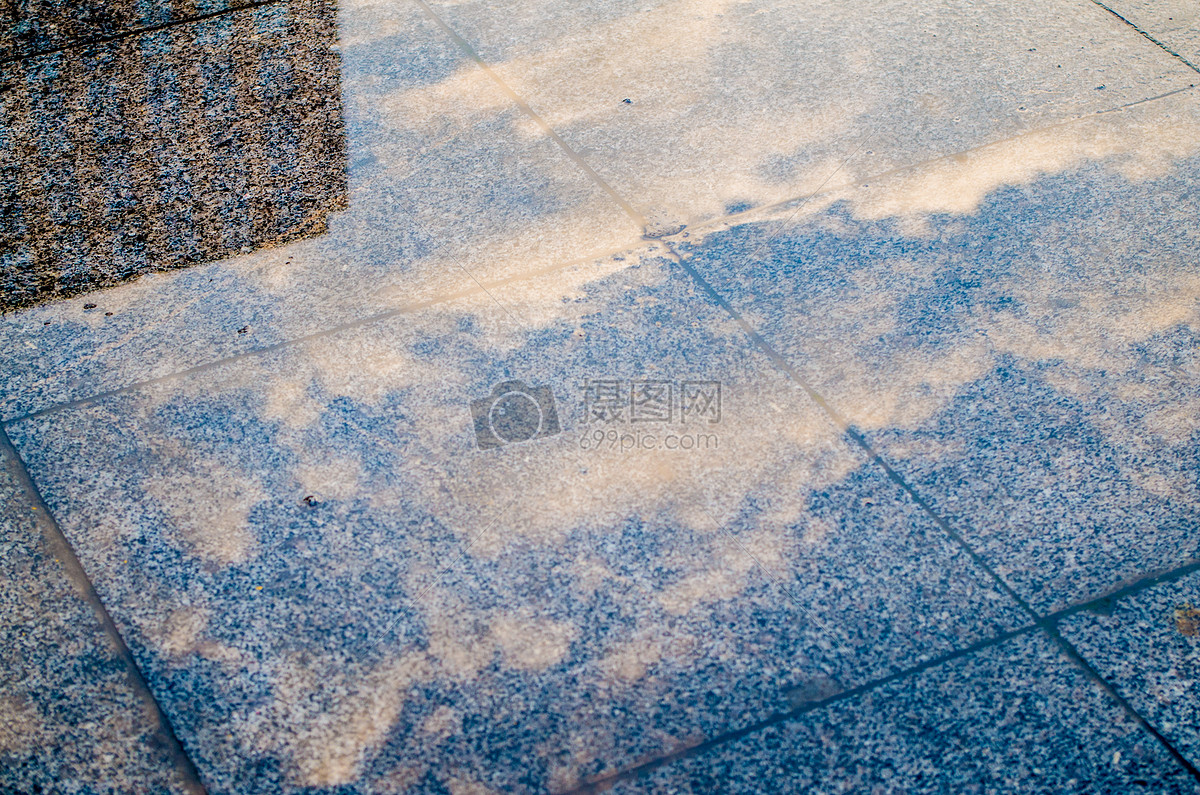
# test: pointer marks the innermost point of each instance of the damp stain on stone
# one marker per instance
(1187, 620)
(817, 689)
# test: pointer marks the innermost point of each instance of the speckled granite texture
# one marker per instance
(1038, 382)
(695, 396)
(28, 27)
(72, 720)
(859, 89)
(1175, 24)
(1148, 645)
(447, 172)
(612, 603)
(168, 148)
(1017, 718)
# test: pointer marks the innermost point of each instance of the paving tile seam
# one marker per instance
(98, 41)
(1147, 35)
(1102, 603)
(1080, 661)
(758, 341)
(722, 222)
(1048, 626)
(603, 783)
(1044, 624)
(947, 529)
(528, 110)
(482, 288)
(638, 218)
(780, 361)
(64, 554)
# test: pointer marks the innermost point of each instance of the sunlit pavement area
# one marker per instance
(679, 396)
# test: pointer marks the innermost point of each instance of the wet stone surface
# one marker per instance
(665, 396)
(72, 719)
(1148, 646)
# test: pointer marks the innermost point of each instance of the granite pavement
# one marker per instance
(681, 397)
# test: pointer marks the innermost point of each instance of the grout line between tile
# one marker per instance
(1154, 98)
(1051, 629)
(1134, 588)
(602, 784)
(781, 362)
(65, 555)
(716, 223)
(481, 289)
(571, 154)
(758, 341)
(96, 41)
(1147, 35)
(1044, 623)
(733, 219)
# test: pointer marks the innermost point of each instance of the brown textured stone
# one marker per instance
(28, 27)
(1187, 620)
(163, 149)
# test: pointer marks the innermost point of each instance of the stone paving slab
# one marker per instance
(28, 27)
(1148, 646)
(1014, 718)
(1015, 329)
(298, 503)
(450, 182)
(447, 187)
(72, 720)
(328, 584)
(739, 104)
(162, 150)
(1174, 23)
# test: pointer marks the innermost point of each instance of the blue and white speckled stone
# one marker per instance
(329, 585)
(270, 466)
(449, 186)
(1148, 646)
(1015, 718)
(1019, 344)
(733, 105)
(72, 719)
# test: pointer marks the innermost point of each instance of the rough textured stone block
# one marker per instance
(160, 150)
(28, 27)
